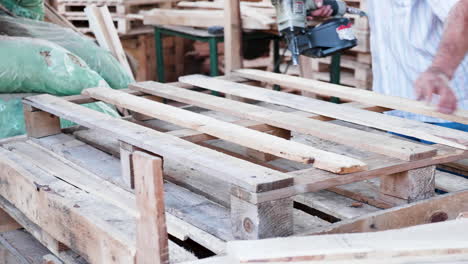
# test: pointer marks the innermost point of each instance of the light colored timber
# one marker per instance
(432, 133)
(357, 95)
(444, 207)
(312, 180)
(381, 144)
(65, 211)
(197, 18)
(440, 239)
(152, 238)
(103, 28)
(230, 132)
(62, 166)
(233, 54)
(235, 171)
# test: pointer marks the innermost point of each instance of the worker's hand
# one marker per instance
(322, 11)
(435, 81)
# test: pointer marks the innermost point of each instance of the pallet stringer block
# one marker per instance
(409, 186)
(40, 124)
(263, 218)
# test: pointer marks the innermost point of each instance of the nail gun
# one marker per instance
(323, 40)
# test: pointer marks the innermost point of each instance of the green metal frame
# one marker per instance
(335, 74)
(213, 41)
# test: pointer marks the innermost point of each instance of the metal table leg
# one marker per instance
(159, 54)
(335, 74)
(214, 60)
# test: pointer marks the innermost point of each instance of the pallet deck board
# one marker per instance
(265, 179)
(263, 142)
(302, 124)
(357, 95)
(394, 124)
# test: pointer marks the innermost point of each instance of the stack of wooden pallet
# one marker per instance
(204, 14)
(79, 190)
(121, 11)
(356, 64)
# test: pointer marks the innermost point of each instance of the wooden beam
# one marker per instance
(197, 18)
(432, 133)
(230, 132)
(381, 144)
(103, 28)
(152, 238)
(440, 208)
(441, 239)
(233, 54)
(235, 171)
(66, 211)
(357, 95)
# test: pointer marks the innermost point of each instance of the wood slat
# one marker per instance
(432, 133)
(246, 137)
(381, 144)
(358, 95)
(403, 216)
(440, 239)
(249, 176)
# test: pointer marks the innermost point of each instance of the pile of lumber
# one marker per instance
(121, 11)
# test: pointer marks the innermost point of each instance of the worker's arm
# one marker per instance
(452, 50)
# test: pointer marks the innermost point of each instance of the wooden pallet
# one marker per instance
(122, 24)
(121, 12)
(255, 171)
(116, 8)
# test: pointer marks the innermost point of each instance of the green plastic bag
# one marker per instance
(98, 59)
(38, 66)
(33, 9)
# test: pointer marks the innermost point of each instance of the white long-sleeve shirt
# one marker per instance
(405, 36)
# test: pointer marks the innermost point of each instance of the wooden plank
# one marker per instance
(449, 182)
(382, 144)
(444, 207)
(432, 133)
(152, 239)
(311, 180)
(233, 25)
(103, 28)
(196, 18)
(230, 132)
(66, 211)
(380, 247)
(233, 170)
(184, 225)
(358, 95)
(335, 205)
